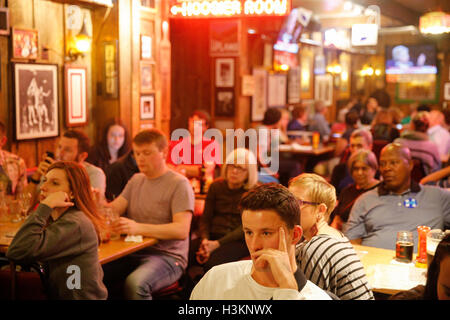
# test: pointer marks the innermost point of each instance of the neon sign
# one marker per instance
(229, 8)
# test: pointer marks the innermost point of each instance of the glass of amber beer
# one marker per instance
(404, 247)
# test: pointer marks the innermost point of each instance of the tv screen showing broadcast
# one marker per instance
(411, 59)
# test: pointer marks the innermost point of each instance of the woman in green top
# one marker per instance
(63, 234)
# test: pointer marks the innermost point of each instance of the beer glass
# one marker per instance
(433, 238)
(404, 247)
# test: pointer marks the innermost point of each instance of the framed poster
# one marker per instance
(76, 95)
(25, 44)
(148, 107)
(447, 91)
(306, 74)
(224, 106)
(110, 71)
(146, 47)
(276, 90)
(421, 91)
(4, 21)
(147, 75)
(323, 88)
(294, 75)
(344, 83)
(36, 100)
(259, 98)
(225, 72)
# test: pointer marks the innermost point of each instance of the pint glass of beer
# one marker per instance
(404, 247)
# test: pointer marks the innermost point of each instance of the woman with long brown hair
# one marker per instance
(63, 234)
(114, 143)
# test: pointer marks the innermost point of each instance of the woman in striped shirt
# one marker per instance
(326, 257)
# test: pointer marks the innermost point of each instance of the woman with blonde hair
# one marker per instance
(326, 257)
(63, 232)
(221, 235)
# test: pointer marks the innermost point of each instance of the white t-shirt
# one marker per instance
(233, 281)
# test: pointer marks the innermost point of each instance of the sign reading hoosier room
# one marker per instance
(228, 8)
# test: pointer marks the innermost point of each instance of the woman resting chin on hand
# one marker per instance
(63, 235)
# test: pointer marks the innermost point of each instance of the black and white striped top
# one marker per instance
(333, 265)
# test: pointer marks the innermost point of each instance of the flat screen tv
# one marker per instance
(411, 59)
(290, 33)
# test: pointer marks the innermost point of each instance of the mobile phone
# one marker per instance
(50, 155)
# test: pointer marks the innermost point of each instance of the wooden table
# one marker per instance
(384, 274)
(107, 252)
(307, 150)
(306, 155)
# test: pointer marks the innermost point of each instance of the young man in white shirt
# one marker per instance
(270, 220)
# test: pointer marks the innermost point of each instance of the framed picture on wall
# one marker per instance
(306, 74)
(259, 98)
(146, 47)
(447, 91)
(323, 88)
(224, 106)
(36, 100)
(225, 72)
(276, 90)
(148, 107)
(25, 44)
(76, 95)
(4, 21)
(110, 72)
(147, 75)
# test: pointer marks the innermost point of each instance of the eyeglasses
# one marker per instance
(238, 168)
(303, 202)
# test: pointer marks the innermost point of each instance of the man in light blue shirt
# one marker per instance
(397, 204)
(319, 123)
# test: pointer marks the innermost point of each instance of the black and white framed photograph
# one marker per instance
(225, 73)
(36, 100)
(224, 103)
(148, 107)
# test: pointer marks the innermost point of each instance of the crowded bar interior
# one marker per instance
(224, 150)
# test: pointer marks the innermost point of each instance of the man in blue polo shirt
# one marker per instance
(397, 204)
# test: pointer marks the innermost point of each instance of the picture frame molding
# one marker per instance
(151, 114)
(68, 94)
(16, 98)
(14, 57)
(221, 113)
(229, 81)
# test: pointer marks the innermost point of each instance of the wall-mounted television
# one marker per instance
(290, 33)
(411, 59)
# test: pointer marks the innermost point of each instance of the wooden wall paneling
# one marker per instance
(125, 71)
(5, 114)
(103, 31)
(134, 66)
(242, 115)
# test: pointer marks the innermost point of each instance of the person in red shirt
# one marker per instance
(199, 149)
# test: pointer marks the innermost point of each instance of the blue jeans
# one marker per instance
(151, 272)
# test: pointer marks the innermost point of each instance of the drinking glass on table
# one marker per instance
(15, 211)
(112, 218)
(404, 247)
(24, 199)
